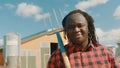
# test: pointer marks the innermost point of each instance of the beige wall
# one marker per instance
(34, 44)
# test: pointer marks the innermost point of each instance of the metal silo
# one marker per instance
(12, 50)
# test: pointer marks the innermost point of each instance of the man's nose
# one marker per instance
(77, 29)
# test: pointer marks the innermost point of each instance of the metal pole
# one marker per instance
(56, 17)
(61, 13)
(50, 22)
(44, 20)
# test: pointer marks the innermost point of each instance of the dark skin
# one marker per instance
(76, 30)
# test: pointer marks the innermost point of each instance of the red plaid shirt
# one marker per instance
(93, 57)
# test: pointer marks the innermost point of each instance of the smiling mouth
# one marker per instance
(78, 35)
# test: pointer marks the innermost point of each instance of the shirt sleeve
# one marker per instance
(113, 61)
(51, 62)
(55, 60)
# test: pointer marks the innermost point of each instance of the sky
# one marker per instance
(27, 17)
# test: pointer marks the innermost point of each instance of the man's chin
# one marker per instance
(77, 41)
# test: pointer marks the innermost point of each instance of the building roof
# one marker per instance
(39, 34)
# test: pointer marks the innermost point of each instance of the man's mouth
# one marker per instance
(78, 35)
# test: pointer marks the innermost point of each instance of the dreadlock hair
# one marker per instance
(90, 23)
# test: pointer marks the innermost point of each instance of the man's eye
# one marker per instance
(79, 26)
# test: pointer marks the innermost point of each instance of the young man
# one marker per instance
(83, 50)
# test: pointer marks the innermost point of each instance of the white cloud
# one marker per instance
(113, 34)
(109, 45)
(42, 16)
(9, 5)
(28, 10)
(108, 36)
(117, 12)
(89, 3)
(100, 32)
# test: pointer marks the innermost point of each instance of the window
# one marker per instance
(44, 53)
(28, 59)
(46, 49)
(53, 46)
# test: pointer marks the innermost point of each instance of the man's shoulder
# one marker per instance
(103, 48)
(56, 52)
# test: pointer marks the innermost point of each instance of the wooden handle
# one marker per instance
(62, 50)
(66, 60)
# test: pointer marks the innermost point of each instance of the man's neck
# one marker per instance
(84, 45)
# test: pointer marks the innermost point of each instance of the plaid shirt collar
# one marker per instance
(71, 47)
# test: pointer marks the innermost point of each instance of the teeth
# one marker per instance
(79, 33)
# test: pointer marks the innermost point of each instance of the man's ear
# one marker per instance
(65, 34)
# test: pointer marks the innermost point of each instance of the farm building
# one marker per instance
(37, 48)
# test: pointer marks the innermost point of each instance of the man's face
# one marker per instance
(77, 28)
